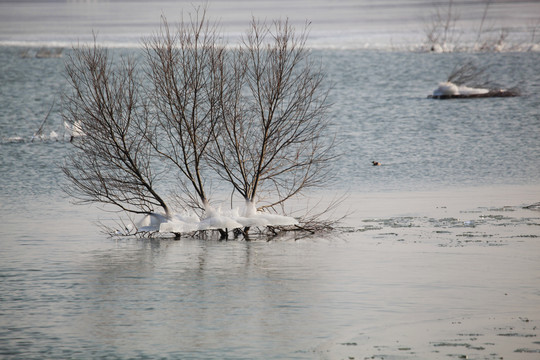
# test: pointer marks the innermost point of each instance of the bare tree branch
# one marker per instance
(113, 162)
(185, 68)
(273, 137)
(255, 116)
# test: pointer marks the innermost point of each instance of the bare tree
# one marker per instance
(474, 78)
(443, 34)
(113, 161)
(271, 142)
(533, 27)
(481, 26)
(469, 74)
(255, 116)
(441, 30)
(185, 69)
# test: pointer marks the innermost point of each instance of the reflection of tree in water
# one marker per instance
(121, 288)
(196, 295)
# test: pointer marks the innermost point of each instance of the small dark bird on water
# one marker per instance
(376, 163)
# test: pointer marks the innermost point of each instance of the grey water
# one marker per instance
(68, 291)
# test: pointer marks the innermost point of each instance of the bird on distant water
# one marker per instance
(376, 163)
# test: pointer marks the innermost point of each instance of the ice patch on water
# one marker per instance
(252, 217)
(151, 222)
(180, 223)
(53, 136)
(14, 139)
(214, 219)
(449, 88)
(74, 130)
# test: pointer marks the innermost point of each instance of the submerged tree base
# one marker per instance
(489, 94)
(237, 224)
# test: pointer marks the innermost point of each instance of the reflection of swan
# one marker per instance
(74, 130)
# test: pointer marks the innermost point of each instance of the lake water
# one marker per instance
(68, 291)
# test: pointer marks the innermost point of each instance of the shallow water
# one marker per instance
(67, 291)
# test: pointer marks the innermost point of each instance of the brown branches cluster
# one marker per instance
(443, 32)
(469, 74)
(253, 116)
(474, 77)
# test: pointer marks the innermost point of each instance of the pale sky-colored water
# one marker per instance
(420, 264)
(352, 23)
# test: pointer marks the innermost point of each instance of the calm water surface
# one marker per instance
(66, 291)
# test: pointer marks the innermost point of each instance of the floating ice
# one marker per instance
(449, 88)
(247, 221)
(14, 139)
(53, 136)
(151, 222)
(74, 130)
(252, 217)
(180, 223)
(214, 219)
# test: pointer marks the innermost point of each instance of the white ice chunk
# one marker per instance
(74, 130)
(278, 220)
(15, 139)
(465, 90)
(180, 223)
(446, 88)
(178, 226)
(151, 222)
(252, 217)
(449, 88)
(213, 219)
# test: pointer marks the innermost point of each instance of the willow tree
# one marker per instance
(113, 162)
(273, 140)
(252, 115)
(185, 67)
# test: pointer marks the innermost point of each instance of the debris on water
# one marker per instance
(526, 350)
(42, 53)
(450, 344)
(368, 228)
(517, 335)
(468, 81)
(496, 217)
(535, 206)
